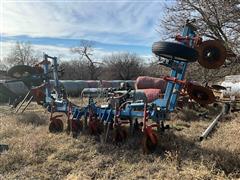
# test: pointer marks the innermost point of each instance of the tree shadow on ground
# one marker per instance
(184, 148)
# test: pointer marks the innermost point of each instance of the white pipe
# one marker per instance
(211, 126)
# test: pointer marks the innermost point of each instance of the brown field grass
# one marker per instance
(34, 153)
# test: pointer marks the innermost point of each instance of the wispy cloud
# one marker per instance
(115, 22)
(63, 52)
(114, 25)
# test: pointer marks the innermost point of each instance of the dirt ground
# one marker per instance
(34, 153)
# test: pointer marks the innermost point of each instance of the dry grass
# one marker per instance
(34, 153)
(31, 118)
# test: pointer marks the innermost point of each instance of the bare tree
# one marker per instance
(22, 53)
(123, 66)
(3, 66)
(85, 52)
(215, 19)
(75, 69)
(155, 70)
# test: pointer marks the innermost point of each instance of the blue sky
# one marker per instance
(55, 26)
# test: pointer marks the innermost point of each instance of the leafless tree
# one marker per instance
(22, 53)
(85, 52)
(215, 19)
(152, 68)
(3, 66)
(75, 70)
(123, 66)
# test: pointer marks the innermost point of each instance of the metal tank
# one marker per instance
(75, 87)
(232, 85)
(13, 89)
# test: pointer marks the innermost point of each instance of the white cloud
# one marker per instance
(111, 22)
(62, 52)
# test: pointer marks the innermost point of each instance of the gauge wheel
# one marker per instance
(21, 71)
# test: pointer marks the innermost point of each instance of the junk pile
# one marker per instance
(149, 115)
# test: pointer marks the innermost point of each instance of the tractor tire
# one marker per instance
(21, 71)
(174, 50)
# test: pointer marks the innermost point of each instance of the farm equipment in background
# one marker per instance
(31, 76)
(228, 91)
(20, 80)
(14, 87)
(110, 120)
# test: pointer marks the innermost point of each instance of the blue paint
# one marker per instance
(157, 111)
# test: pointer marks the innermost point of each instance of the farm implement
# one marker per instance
(121, 111)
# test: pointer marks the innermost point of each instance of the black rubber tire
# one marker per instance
(21, 71)
(176, 50)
